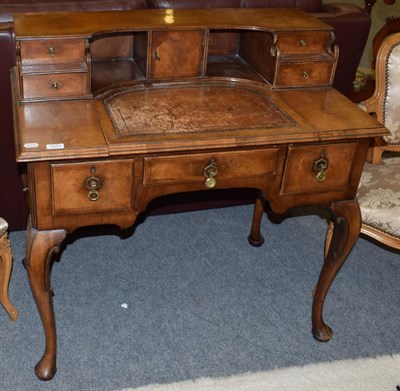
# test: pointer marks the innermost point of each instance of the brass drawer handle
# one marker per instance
(303, 42)
(92, 184)
(54, 85)
(52, 51)
(210, 172)
(320, 166)
(305, 75)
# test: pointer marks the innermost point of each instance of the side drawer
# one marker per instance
(301, 169)
(191, 168)
(304, 42)
(71, 185)
(303, 74)
(55, 85)
(52, 51)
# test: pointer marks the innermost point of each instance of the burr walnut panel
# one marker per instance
(304, 42)
(193, 168)
(55, 85)
(305, 172)
(52, 51)
(177, 53)
(73, 191)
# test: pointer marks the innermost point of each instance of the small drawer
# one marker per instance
(303, 74)
(52, 51)
(92, 186)
(56, 85)
(304, 42)
(321, 168)
(193, 168)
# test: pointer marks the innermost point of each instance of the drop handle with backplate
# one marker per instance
(92, 184)
(210, 172)
(320, 166)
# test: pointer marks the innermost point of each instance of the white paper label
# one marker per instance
(55, 146)
(31, 145)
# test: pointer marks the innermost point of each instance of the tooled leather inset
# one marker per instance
(196, 109)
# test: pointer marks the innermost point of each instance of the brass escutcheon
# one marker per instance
(305, 75)
(156, 56)
(52, 51)
(211, 171)
(303, 42)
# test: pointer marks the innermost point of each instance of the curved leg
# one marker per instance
(255, 238)
(343, 233)
(5, 273)
(40, 246)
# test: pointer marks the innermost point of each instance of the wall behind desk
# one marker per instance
(380, 12)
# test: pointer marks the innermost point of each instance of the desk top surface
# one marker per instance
(89, 23)
(186, 116)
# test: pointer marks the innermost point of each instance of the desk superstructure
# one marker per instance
(114, 109)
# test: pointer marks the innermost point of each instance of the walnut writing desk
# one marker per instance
(114, 109)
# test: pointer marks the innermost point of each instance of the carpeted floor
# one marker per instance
(184, 297)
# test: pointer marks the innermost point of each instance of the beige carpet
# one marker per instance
(372, 374)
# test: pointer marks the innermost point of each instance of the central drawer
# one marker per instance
(195, 168)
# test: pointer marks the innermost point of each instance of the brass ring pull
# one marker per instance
(320, 166)
(93, 183)
(93, 195)
(211, 171)
(305, 75)
(52, 51)
(303, 42)
(54, 85)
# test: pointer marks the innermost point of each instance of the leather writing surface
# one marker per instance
(193, 109)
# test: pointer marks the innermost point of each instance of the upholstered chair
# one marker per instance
(5, 270)
(379, 190)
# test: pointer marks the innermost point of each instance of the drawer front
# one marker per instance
(304, 173)
(303, 74)
(55, 85)
(191, 168)
(52, 51)
(304, 42)
(74, 186)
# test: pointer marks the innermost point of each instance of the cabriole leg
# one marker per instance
(342, 234)
(40, 246)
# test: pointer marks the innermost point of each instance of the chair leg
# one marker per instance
(5, 273)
